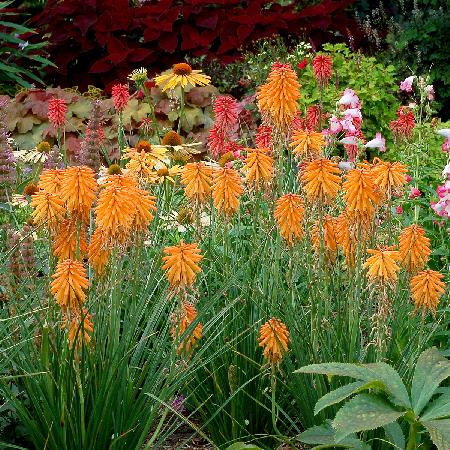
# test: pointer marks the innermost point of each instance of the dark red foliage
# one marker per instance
(100, 41)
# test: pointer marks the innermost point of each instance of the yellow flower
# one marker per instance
(78, 190)
(389, 176)
(226, 189)
(182, 320)
(321, 180)
(259, 166)
(49, 209)
(182, 75)
(166, 173)
(328, 234)
(196, 179)
(139, 76)
(69, 284)
(181, 265)
(426, 289)
(414, 248)
(307, 144)
(382, 265)
(51, 180)
(278, 97)
(289, 217)
(274, 339)
(67, 239)
(140, 166)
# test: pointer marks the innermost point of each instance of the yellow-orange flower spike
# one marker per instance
(181, 265)
(80, 329)
(226, 189)
(321, 180)
(258, 166)
(382, 265)
(289, 217)
(49, 210)
(360, 191)
(278, 97)
(140, 165)
(307, 144)
(182, 320)
(145, 206)
(98, 252)
(69, 285)
(389, 176)
(274, 339)
(196, 179)
(345, 239)
(414, 248)
(427, 288)
(78, 190)
(328, 235)
(67, 239)
(51, 180)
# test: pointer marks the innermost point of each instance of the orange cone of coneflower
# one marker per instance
(389, 176)
(360, 191)
(78, 190)
(274, 339)
(181, 320)
(321, 180)
(49, 210)
(289, 217)
(325, 231)
(427, 288)
(196, 179)
(70, 242)
(98, 252)
(382, 265)
(80, 329)
(180, 264)
(414, 248)
(226, 189)
(278, 98)
(50, 180)
(258, 167)
(68, 285)
(307, 144)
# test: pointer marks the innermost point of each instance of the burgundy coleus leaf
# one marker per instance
(102, 65)
(207, 19)
(168, 42)
(139, 54)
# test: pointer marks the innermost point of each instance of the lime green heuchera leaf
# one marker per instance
(81, 108)
(25, 124)
(135, 111)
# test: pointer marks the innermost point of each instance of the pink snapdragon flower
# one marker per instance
(350, 99)
(442, 207)
(335, 125)
(414, 193)
(429, 89)
(446, 172)
(378, 142)
(446, 146)
(408, 178)
(445, 132)
(406, 84)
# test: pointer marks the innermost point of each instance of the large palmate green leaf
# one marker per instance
(431, 369)
(338, 395)
(440, 408)
(440, 433)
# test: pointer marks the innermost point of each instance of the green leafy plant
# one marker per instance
(425, 406)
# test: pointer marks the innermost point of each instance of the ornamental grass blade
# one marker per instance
(362, 413)
(431, 369)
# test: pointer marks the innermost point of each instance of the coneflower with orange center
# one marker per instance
(51, 180)
(307, 144)
(180, 264)
(197, 179)
(98, 252)
(143, 146)
(49, 210)
(389, 176)
(181, 320)
(321, 180)
(414, 248)
(289, 217)
(68, 285)
(181, 75)
(80, 329)
(382, 265)
(278, 97)
(324, 237)
(274, 339)
(427, 288)
(69, 242)
(78, 190)
(360, 192)
(258, 166)
(226, 189)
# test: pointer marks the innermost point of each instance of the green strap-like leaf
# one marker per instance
(440, 433)
(431, 369)
(440, 408)
(394, 435)
(364, 412)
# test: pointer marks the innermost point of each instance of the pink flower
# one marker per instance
(408, 178)
(348, 124)
(322, 69)
(57, 109)
(446, 172)
(446, 146)
(263, 138)
(350, 99)
(442, 207)
(429, 89)
(302, 64)
(414, 193)
(335, 125)
(399, 210)
(406, 84)
(120, 95)
(379, 142)
(445, 132)
(226, 112)
(403, 127)
(349, 140)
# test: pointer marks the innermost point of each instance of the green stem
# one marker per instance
(82, 422)
(181, 113)
(274, 410)
(412, 436)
